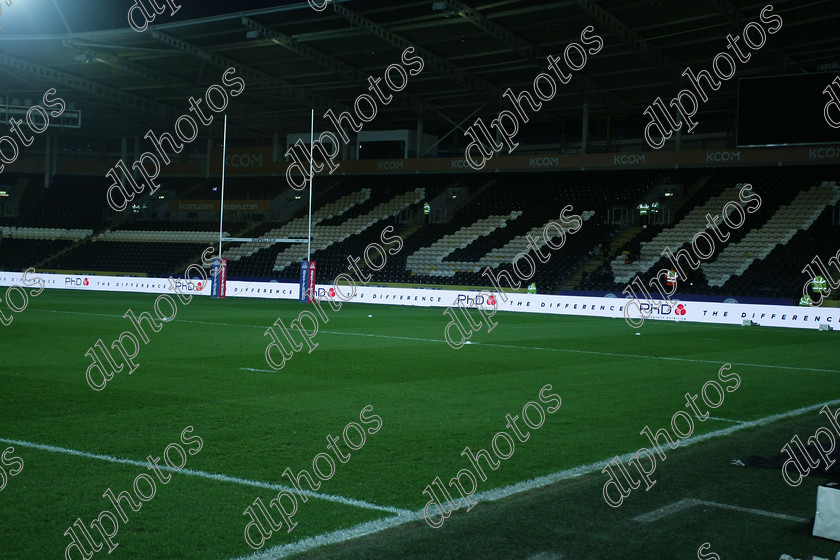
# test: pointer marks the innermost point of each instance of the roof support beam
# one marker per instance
(630, 38)
(349, 72)
(252, 75)
(89, 87)
(333, 64)
(457, 74)
(531, 52)
(153, 76)
(734, 15)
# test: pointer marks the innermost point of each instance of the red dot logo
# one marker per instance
(332, 292)
(491, 300)
(86, 282)
(680, 310)
(199, 285)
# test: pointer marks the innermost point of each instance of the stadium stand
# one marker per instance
(484, 227)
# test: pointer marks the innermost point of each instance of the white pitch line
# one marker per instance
(765, 513)
(672, 359)
(262, 370)
(211, 476)
(545, 556)
(494, 345)
(334, 537)
(687, 503)
(665, 511)
(371, 527)
(726, 420)
(593, 352)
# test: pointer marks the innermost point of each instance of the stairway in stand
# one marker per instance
(618, 241)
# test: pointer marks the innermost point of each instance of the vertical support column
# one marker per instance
(584, 134)
(54, 159)
(207, 161)
(678, 134)
(419, 146)
(136, 155)
(47, 166)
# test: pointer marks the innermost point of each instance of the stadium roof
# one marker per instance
(294, 58)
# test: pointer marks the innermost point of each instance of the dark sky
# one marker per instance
(35, 17)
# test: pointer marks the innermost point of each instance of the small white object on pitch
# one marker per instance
(638, 334)
(370, 315)
(468, 342)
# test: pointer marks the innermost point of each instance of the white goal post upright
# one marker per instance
(295, 240)
(222, 209)
(311, 164)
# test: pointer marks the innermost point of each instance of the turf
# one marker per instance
(433, 402)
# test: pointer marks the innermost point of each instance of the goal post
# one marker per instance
(219, 265)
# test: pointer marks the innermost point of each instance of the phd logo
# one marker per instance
(659, 308)
(477, 301)
(321, 293)
(663, 309)
(76, 282)
(188, 286)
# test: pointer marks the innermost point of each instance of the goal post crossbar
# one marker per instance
(266, 239)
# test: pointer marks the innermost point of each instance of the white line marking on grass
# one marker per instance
(263, 370)
(81, 313)
(665, 511)
(434, 340)
(211, 476)
(545, 556)
(594, 352)
(334, 537)
(726, 420)
(371, 527)
(655, 357)
(687, 503)
(387, 336)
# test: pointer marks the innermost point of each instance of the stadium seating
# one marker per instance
(764, 258)
(18, 254)
(154, 258)
(44, 233)
(485, 227)
(778, 230)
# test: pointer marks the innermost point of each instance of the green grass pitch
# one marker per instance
(433, 402)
